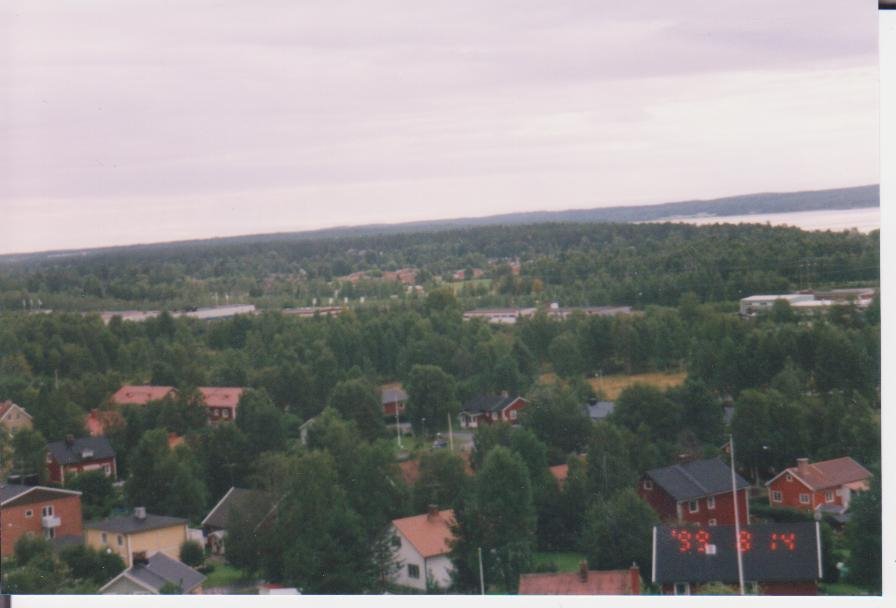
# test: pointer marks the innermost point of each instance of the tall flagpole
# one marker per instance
(740, 558)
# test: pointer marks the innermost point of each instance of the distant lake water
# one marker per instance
(863, 219)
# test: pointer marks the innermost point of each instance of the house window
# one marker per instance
(711, 502)
(804, 499)
(47, 510)
(788, 477)
(120, 540)
(648, 484)
(105, 538)
(225, 413)
(713, 522)
(29, 513)
(413, 571)
(513, 414)
(682, 588)
(776, 496)
(693, 506)
(829, 496)
(107, 469)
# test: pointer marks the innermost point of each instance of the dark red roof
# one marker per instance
(217, 396)
(829, 473)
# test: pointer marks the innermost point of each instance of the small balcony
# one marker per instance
(50, 521)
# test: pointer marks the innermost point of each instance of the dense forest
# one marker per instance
(801, 386)
(576, 264)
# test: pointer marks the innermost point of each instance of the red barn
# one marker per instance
(826, 485)
(486, 409)
(37, 510)
(697, 492)
(73, 456)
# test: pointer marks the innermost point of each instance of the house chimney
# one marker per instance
(504, 394)
(140, 513)
(432, 512)
(583, 571)
(802, 466)
(69, 440)
(635, 575)
(139, 558)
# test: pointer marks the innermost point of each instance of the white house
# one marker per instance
(422, 545)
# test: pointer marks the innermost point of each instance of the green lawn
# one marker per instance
(566, 562)
(841, 589)
(225, 575)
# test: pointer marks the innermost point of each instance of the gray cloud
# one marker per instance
(300, 114)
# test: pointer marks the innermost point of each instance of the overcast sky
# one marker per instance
(141, 121)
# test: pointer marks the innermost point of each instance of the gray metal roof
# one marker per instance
(128, 524)
(487, 403)
(161, 569)
(252, 504)
(9, 491)
(81, 449)
(393, 395)
(599, 410)
(696, 479)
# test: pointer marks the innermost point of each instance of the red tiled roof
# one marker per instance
(608, 582)
(5, 406)
(831, 473)
(140, 395)
(560, 472)
(216, 396)
(430, 534)
(97, 422)
(174, 440)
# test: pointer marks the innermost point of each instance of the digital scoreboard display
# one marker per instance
(769, 552)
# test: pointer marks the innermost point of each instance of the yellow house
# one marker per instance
(139, 534)
(14, 418)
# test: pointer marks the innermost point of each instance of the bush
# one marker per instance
(192, 553)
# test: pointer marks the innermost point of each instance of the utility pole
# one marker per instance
(450, 434)
(481, 575)
(740, 557)
(398, 426)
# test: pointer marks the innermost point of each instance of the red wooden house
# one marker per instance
(486, 409)
(221, 402)
(827, 485)
(393, 399)
(697, 492)
(37, 510)
(78, 455)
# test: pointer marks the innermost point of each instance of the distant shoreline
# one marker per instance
(863, 219)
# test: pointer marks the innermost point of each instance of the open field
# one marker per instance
(610, 386)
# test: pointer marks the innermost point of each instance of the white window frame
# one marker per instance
(788, 477)
(711, 503)
(107, 469)
(686, 590)
(648, 484)
(104, 538)
(513, 414)
(29, 513)
(46, 511)
(225, 413)
(808, 499)
(777, 496)
(694, 506)
(829, 496)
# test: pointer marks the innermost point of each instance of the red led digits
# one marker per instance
(745, 542)
(702, 540)
(785, 539)
(684, 540)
